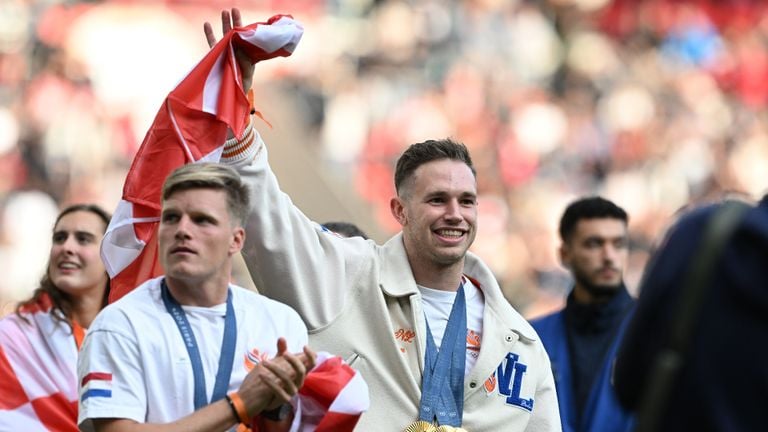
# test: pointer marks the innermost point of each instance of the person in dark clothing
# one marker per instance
(581, 339)
(722, 381)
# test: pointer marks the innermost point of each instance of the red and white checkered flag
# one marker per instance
(191, 126)
(38, 382)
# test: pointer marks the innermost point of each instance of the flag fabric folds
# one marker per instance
(38, 385)
(333, 396)
(190, 126)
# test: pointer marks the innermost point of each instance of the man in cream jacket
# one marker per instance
(389, 309)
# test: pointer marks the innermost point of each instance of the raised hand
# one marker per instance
(230, 20)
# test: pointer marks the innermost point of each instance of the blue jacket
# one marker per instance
(723, 385)
(602, 412)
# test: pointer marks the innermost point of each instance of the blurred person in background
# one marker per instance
(656, 102)
(345, 229)
(582, 339)
(693, 356)
(39, 344)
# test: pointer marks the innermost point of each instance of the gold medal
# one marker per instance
(423, 426)
(420, 426)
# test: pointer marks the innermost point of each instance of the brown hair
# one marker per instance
(420, 153)
(61, 302)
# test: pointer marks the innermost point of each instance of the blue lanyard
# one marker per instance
(442, 386)
(226, 358)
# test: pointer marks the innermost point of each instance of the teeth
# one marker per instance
(67, 266)
(450, 233)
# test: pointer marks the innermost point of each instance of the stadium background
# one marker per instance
(654, 104)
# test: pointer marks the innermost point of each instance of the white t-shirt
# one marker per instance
(134, 363)
(437, 308)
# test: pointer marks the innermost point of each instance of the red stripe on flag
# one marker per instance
(56, 412)
(12, 394)
(145, 267)
(338, 422)
(104, 376)
(326, 381)
(43, 304)
(185, 131)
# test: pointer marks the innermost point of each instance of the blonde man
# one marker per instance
(189, 351)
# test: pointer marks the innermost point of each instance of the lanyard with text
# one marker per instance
(442, 386)
(226, 358)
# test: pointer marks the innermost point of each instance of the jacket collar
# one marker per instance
(397, 281)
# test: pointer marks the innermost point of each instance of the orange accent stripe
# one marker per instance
(261, 116)
(250, 97)
(242, 412)
(79, 333)
(240, 148)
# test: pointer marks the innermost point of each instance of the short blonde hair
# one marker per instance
(208, 175)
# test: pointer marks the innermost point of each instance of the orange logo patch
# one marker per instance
(490, 383)
(473, 340)
(405, 335)
(252, 358)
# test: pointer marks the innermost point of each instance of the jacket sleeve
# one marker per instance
(292, 259)
(546, 413)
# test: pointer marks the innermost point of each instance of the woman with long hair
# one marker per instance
(40, 342)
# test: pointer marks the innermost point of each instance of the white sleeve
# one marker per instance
(292, 259)
(111, 383)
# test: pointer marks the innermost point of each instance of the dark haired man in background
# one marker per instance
(582, 338)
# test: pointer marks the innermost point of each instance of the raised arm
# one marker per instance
(290, 258)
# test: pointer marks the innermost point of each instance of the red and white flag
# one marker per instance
(38, 385)
(333, 396)
(191, 126)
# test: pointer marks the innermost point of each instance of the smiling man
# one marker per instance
(189, 351)
(420, 317)
(582, 338)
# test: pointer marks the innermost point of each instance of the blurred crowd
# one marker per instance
(654, 104)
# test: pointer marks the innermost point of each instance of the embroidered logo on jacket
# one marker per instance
(254, 357)
(473, 342)
(404, 336)
(508, 381)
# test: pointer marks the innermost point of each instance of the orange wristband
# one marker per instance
(242, 413)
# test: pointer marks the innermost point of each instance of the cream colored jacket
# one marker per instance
(360, 301)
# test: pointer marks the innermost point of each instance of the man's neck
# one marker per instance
(583, 295)
(445, 278)
(206, 293)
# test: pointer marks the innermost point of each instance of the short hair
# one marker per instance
(345, 229)
(589, 208)
(209, 175)
(420, 153)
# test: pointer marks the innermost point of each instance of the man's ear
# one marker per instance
(564, 255)
(238, 241)
(398, 210)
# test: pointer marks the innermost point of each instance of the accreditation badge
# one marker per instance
(424, 426)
